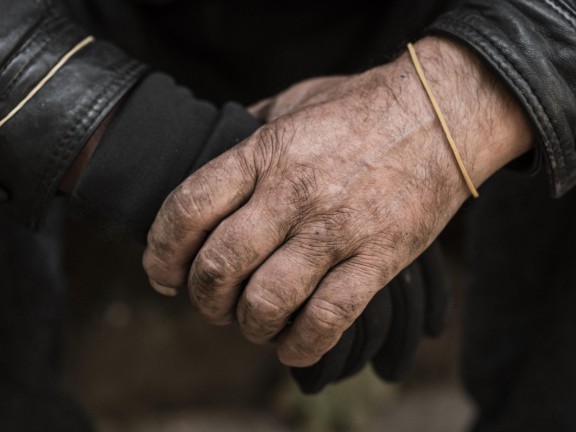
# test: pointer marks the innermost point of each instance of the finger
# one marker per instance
(358, 344)
(282, 284)
(261, 109)
(232, 252)
(438, 290)
(329, 369)
(373, 326)
(336, 303)
(190, 212)
(407, 292)
(242, 242)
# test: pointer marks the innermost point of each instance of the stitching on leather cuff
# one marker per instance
(21, 61)
(35, 59)
(84, 119)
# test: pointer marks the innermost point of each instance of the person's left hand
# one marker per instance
(322, 207)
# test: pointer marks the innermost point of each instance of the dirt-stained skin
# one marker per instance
(349, 182)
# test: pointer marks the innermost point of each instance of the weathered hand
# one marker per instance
(320, 208)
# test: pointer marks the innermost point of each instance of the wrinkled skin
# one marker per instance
(350, 181)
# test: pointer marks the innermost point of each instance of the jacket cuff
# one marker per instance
(39, 144)
(159, 136)
(530, 46)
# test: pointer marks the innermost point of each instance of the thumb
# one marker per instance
(260, 110)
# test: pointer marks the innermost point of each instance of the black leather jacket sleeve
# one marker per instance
(160, 132)
(39, 144)
(531, 45)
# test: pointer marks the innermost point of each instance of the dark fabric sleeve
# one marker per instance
(39, 144)
(531, 45)
(159, 136)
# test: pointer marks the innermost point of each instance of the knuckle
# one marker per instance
(382, 257)
(302, 184)
(215, 266)
(374, 267)
(272, 140)
(260, 317)
(337, 226)
(280, 133)
(190, 203)
(328, 318)
(175, 220)
(263, 308)
(262, 314)
(242, 158)
(330, 235)
(298, 181)
(209, 272)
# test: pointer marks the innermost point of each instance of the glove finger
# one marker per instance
(438, 290)
(407, 293)
(313, 379)
(356, 347)
(371, 332)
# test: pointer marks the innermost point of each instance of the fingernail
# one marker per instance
(163, 289)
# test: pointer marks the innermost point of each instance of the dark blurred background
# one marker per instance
(141, 362)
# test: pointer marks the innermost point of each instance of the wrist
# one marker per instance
(488, 126)
(487, 123)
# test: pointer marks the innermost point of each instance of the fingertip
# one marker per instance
(163, 289)
(291, 357)
(222, 321)
(297, 362)
(260, 109)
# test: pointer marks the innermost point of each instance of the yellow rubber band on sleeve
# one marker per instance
(440, 116)
(47, 78)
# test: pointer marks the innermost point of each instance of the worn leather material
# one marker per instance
(531, 45)
(39, 144)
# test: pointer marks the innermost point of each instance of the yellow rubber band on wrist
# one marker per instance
(440, 116)
(47, 78)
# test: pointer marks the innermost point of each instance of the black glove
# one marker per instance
(387, 333)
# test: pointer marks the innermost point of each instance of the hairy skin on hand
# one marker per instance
(350, 181)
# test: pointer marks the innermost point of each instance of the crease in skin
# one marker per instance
(353, 305)
(178, 238)
(163, 289)
(290, 295)
(281, 282)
